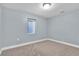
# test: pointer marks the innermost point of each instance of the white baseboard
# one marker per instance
(66, 43)
(19, 45)
(23, 44)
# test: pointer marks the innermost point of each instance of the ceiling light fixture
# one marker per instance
(47, 5)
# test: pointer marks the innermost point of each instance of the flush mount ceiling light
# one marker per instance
(47, 5)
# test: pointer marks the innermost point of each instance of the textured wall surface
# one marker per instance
(15, 27)
(65, 27)
(0, 26)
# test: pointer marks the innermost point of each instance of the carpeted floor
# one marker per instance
(45, 48)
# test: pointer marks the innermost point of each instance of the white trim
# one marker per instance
(19, 45)
(66, 43)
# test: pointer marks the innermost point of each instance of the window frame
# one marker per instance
(31, 20)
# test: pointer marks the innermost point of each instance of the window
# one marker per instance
(31, 26)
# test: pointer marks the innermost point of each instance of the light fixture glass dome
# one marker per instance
(47, 5)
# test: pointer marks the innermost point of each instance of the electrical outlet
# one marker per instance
(18, 39)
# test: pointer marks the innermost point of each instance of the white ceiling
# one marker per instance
(35, 8)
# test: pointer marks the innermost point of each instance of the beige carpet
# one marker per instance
(45, 48)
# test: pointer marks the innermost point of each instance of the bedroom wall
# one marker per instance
(14, 27)
(0, 27)
(65, 27)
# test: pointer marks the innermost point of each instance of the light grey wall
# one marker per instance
(14, 27)
(65, 27)
(0, 27)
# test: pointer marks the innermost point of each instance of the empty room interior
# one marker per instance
(39, 29)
